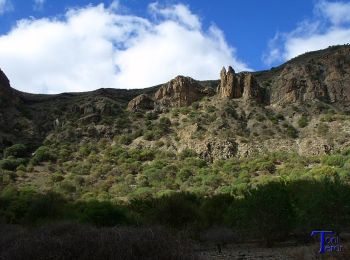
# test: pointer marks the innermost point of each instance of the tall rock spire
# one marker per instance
(241, 85)
(229, 87)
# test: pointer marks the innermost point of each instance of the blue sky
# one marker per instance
(49, 46)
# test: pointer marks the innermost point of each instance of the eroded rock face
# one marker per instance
(229, 87)
(251, 88)
(297, 84)
(180, 91)
(240, 85)
(325, 77)
(219, 149)
(141, 102)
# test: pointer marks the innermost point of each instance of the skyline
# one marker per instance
(50, 47)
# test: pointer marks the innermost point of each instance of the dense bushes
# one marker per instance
(11, 163)
(14, 156)
(102, 213)
(17, 150)
(269, 212)
(43, 153)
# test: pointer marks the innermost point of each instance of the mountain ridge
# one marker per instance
(318, 79)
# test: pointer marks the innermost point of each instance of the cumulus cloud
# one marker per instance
(38, 5)
(329, 26)
(97, 46)
(5, 6)
(337, 12)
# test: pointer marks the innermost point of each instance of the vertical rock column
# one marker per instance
(229, 87)
(251, 88)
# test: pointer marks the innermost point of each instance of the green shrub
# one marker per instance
(184, 174)
(21, 168)
(137, 133)
(184, 110)
(64, 154)
(151, 115)
(149, 135)
(57, 177)
(125, 139)
(210, 109)
(142, 154)
(43, 153)
(11, 163)
(231, 111)
(303, 121)
(17, 150)
(334, 160)
(260, 118)
(195, 105)
(292, 132)
(322, 129)
(328, 118)
(322, 171)
(187, 153)
(67, 187)
(164, 124)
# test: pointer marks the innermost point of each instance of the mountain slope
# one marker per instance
(314, 82)
(181, 135)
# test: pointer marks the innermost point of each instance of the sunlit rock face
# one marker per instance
(241, 85)
(180, 91)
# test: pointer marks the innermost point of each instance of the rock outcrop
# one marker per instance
(322, 75)
(229, 87)
(251, 88)
(180, 91)
(240, 85)
(219, 149)
(141, 102)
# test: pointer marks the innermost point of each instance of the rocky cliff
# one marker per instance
(241, 85)
(178, 92)
(322, 75)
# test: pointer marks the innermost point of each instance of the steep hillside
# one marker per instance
(120, 141)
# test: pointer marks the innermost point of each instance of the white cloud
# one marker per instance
(179, 13)
(39, 4)
(330, 26)
(5, 6)
(96, 47)
(336, 12)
